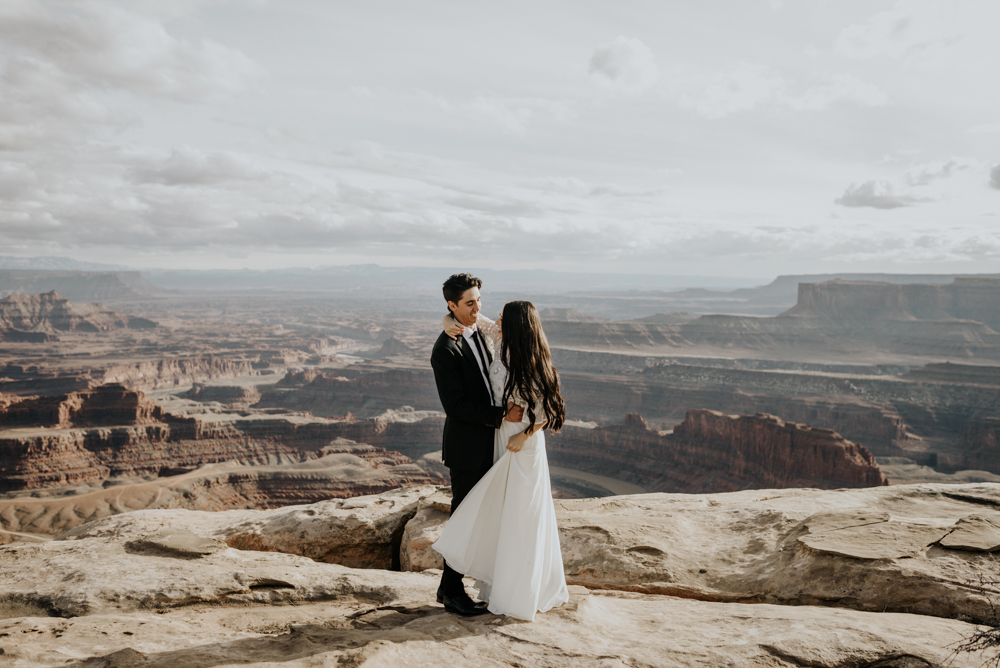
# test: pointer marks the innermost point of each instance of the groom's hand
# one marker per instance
(514, 413)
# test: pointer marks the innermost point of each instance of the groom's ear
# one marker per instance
(451, 308)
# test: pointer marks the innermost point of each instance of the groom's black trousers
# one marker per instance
(462, 483)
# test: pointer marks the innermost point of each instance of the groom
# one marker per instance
(461, 371)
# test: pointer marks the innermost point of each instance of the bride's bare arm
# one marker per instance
(451, 326)
(516, 442)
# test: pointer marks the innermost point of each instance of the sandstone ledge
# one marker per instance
(878, 549)
(167, 587)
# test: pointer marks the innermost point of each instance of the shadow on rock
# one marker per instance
(349, 638)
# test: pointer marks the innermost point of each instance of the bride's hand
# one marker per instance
(452, 327)
(516, 442)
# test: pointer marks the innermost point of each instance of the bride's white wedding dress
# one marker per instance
(504, 533)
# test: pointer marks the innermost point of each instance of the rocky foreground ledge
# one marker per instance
(798, 577)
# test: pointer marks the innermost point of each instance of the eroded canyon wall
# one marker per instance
(111, 431)
(713, 451)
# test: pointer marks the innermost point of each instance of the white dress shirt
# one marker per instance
(484, 365)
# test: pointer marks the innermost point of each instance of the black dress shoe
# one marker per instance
(440, 599)
(463, 605)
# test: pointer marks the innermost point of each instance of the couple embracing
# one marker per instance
(499, 391)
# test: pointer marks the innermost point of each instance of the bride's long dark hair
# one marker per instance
(530, 374)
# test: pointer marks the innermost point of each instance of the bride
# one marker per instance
(504, 533)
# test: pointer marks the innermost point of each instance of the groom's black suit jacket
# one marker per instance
(471, 416)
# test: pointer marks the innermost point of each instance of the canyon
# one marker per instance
(710, 451)
(831, 393)
(255, 476)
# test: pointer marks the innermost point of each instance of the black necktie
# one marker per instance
(484, 356)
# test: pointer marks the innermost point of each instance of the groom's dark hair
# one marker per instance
(457, 284)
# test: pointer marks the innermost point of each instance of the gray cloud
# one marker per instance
(119, 135)
(188, 166)
(995, 177)
(875, 195)
(106, 44)
(922, 175)
(624, 62)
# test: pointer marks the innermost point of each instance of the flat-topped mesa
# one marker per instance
(714, 452)
(105, 405)
(51, 312)
(857, 302)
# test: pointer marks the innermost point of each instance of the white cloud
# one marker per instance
(922, 175)
(956, 179)
(624, 63)
(876, 195)
(748, 86)
(918, 29)
(107, 45)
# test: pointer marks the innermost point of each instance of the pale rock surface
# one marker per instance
(178, 543)
(979, 533)
(415, 552)
(599, 629)
(125, 602)
(361, 532)
(878, 549)
(98, 575)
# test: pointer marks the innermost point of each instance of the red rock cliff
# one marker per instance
(713, 452)
(111, 431)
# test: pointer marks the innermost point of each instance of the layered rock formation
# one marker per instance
(851, 407)
(345, 469)
(714, 452)
(160, 373)
(80, 286)
(86, 437)
(50, 313)
(224, 394)
(870, 304)
(111, 404)
(978, 448)
(949, 372)
(150, 374)
(368, 394)
(868, 578)
(835, 318)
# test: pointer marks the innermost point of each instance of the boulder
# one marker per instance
(360, 532)
(415, 552)
(978, 533)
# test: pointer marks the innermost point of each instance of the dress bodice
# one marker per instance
(498, 371)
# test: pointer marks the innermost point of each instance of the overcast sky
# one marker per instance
(718, 137)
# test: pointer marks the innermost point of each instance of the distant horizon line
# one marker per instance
(86, 266)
